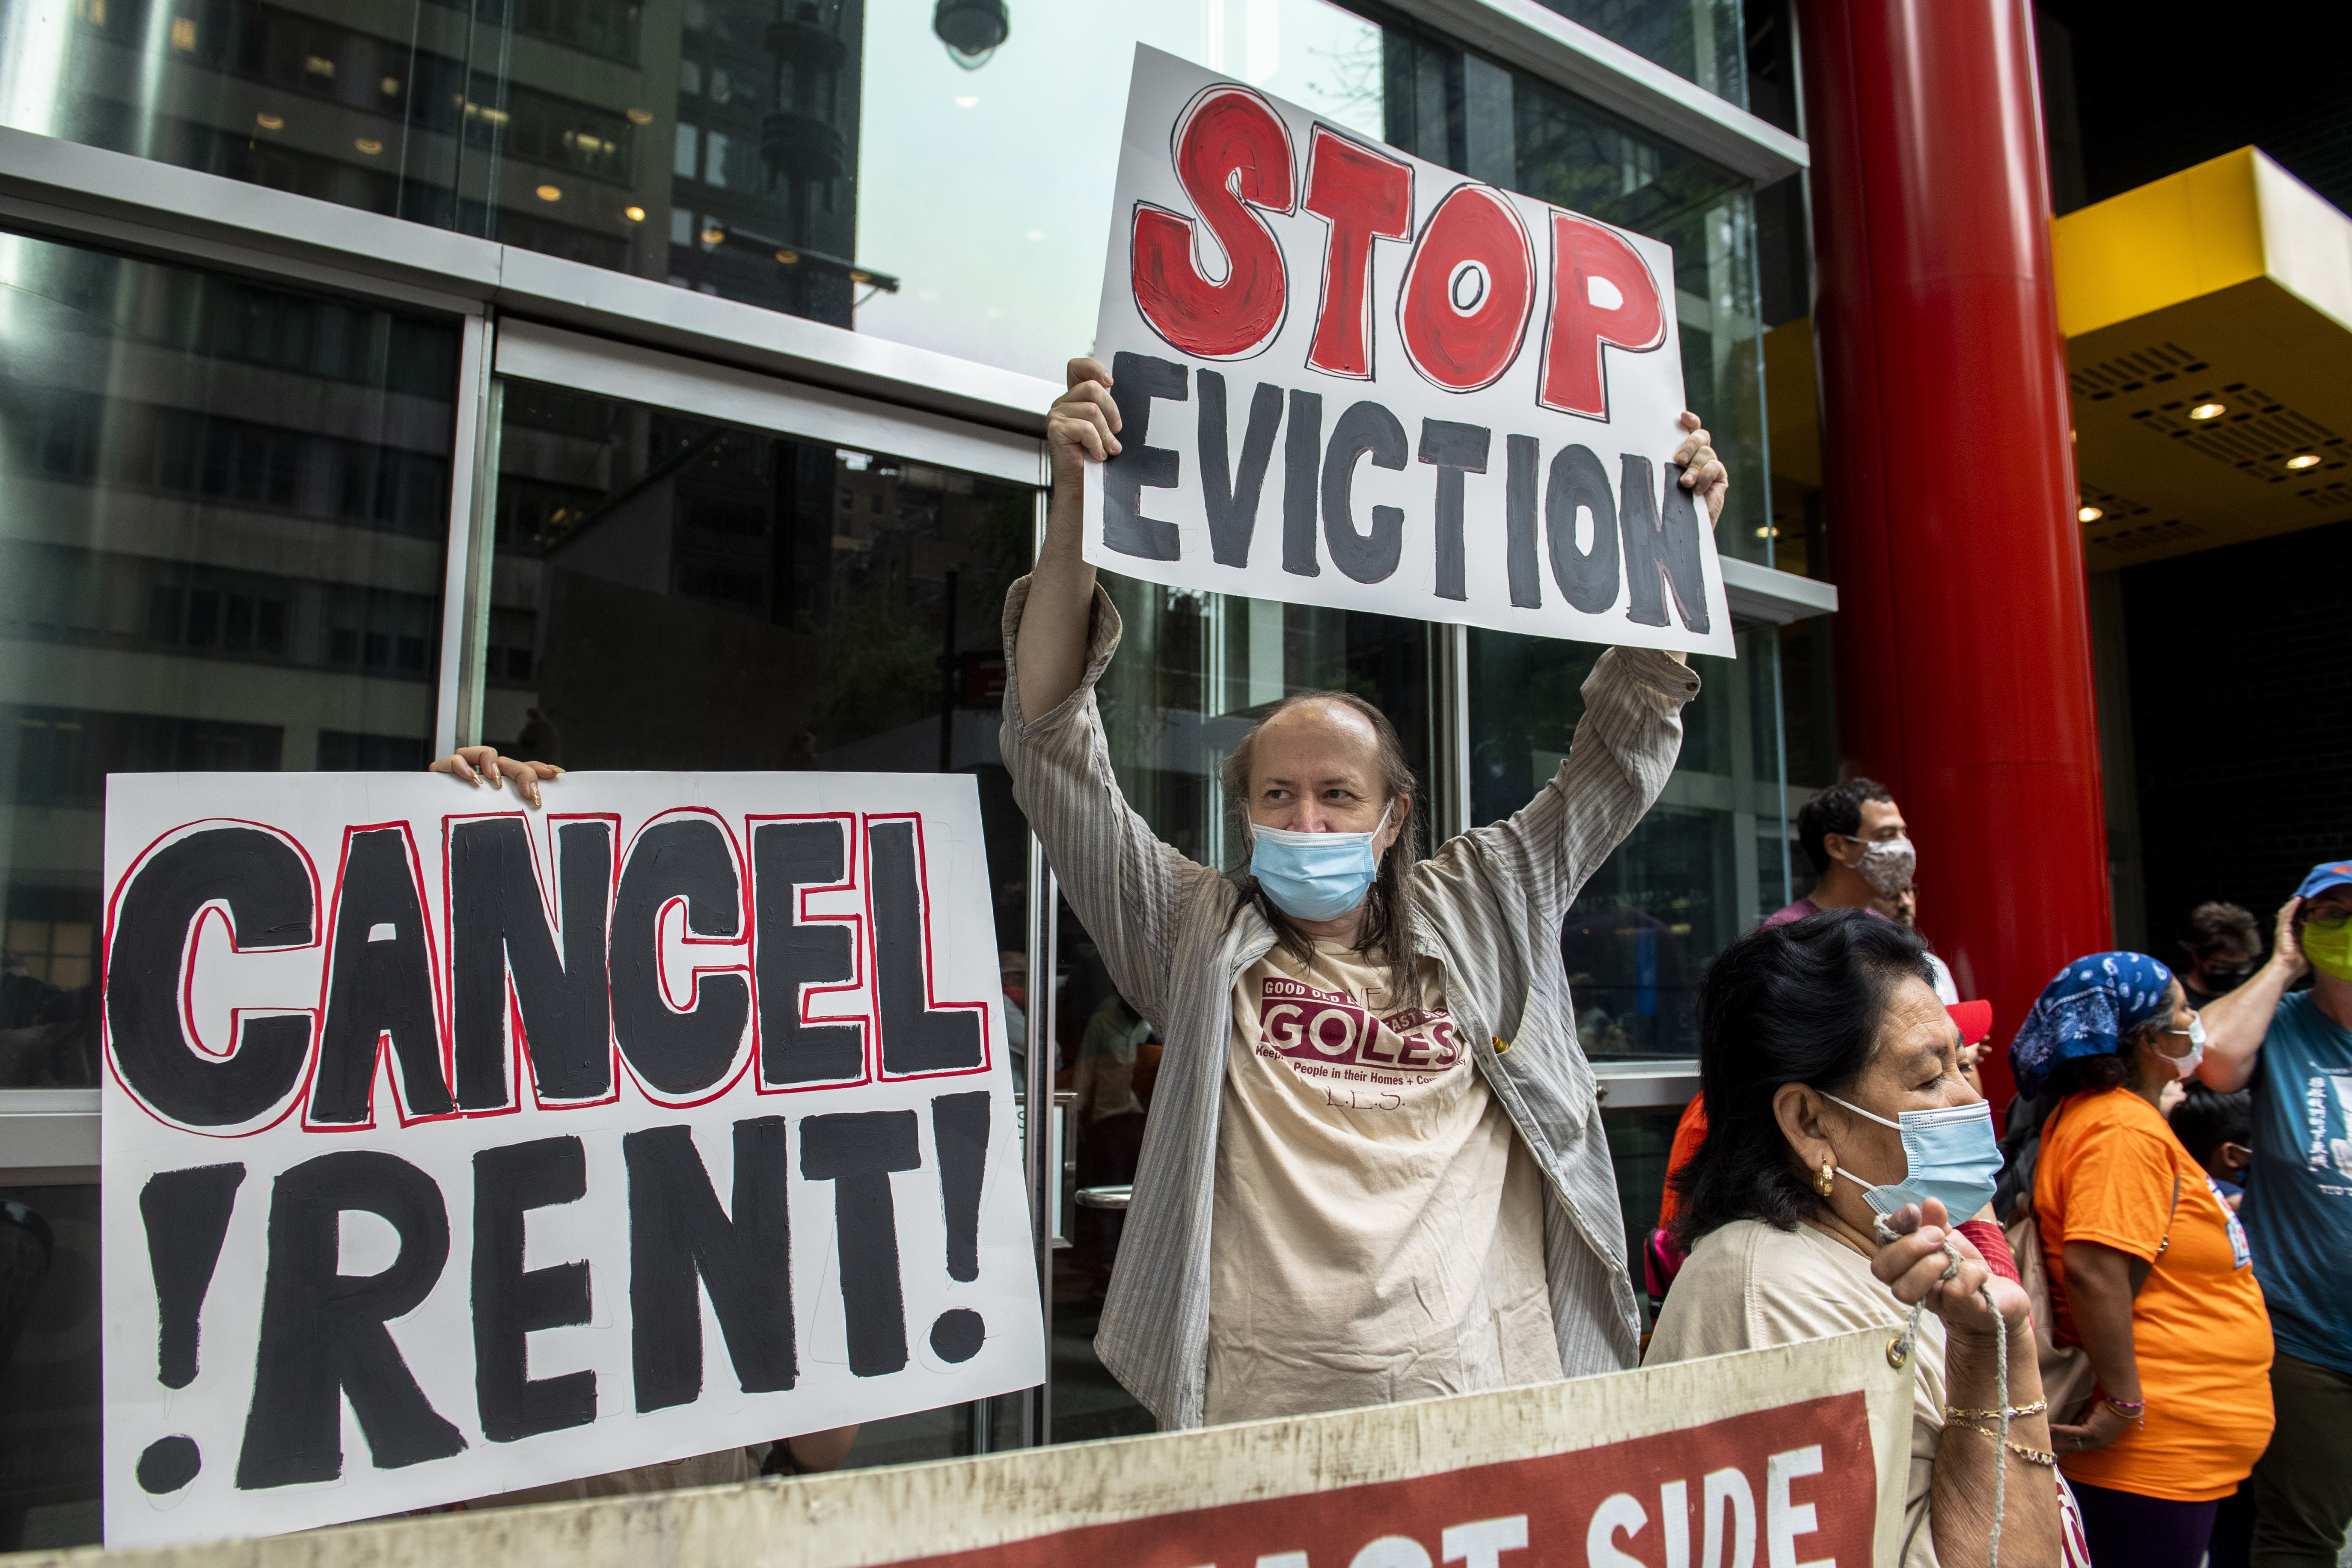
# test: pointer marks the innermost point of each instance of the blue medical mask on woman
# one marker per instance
(1949, 1154)
(1314, 876)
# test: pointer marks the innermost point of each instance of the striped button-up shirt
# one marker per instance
(1489, 906)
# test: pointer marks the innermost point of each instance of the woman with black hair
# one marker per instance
(2148, 1269)
(1841, 1144)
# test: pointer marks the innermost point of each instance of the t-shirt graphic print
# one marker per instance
(1378, 1229)
(1365, 1060)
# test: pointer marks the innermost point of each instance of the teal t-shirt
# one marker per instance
(2298, 1210)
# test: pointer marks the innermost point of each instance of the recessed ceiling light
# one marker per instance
(550, 192)
(2089, 514)
(2207, 411)
(2304, 461)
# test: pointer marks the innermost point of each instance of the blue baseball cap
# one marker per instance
(2327, 875)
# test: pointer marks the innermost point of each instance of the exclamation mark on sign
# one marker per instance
(959, 1128)
(186, 1214)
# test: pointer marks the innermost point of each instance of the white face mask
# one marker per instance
(1888, 864)
(2186, 1066)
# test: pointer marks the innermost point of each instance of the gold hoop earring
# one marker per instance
(1827, 1178)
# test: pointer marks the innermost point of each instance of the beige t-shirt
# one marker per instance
(1378, 1222)
(1750, 1285)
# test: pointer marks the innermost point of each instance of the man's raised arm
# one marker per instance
(1051, 651)
(2236, 1025)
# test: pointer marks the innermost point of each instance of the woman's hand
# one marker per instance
(1703, 474)
(482, 765)
(2102, 1425)
(1083, 423)
(1912, 1266)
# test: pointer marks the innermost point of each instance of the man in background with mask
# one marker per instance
(1861, 850)
(1373, 1169)
(2224, 947)
(2296, 1048)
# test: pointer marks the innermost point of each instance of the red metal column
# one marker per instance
(1962, 635)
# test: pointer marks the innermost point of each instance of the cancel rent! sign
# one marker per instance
(452, 1149)
(1350, 378)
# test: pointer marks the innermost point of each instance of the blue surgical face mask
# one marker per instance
(1314, 876)
(1949, 1154)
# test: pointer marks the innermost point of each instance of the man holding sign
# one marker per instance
(1375, 1170)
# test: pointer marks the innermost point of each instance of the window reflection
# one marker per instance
(223, 538)
(1703, 866)
(1699, 40)
(49, 1366)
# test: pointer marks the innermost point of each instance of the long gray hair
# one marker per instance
(1388, 906)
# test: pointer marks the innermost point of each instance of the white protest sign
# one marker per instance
(1349, 377)
(1793, 1454)
(452, 1149)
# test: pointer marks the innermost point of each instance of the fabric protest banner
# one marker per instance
(1795, 1455)
(1350, 378)
(452, 1149)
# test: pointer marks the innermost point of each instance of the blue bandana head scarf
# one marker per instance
(2089, 1010)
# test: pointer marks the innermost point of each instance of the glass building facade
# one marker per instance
(263, 506)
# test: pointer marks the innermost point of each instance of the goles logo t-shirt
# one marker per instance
(1377, 1231)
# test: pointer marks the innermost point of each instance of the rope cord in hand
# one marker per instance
(1907, 1345)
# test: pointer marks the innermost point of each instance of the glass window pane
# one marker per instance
(672, 592)
(1008, 268)
(1698, 40)
(49, 1367)
(1702, 867)
(1639, 1143)
(223, 537)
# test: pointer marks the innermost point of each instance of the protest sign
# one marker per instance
(1350, 378)
(1798, 1453)
(452, 1149)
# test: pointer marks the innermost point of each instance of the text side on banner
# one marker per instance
(1798, 1483)
(1347, 376)
(452, 1149)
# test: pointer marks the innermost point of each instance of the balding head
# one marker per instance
(1322, 762)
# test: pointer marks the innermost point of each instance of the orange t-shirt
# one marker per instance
(1690, 1133)
(2203, 1337)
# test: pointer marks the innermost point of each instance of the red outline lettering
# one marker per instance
(1224, 147)
(1575, 372)
(1362, 195)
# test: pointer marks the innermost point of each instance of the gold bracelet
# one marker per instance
(2031, 1456)
(2016, 1411)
